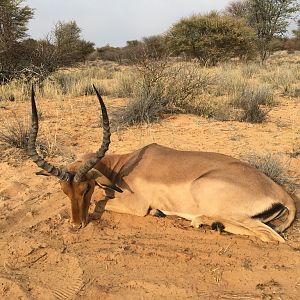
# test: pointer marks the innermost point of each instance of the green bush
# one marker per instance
(212, 38)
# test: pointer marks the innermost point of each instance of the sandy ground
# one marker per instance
(127, 257)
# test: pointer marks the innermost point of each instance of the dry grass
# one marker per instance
(165, 88)
(243, 92)
(15, 134)
(283, 78)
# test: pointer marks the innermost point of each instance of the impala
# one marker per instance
(204, 187)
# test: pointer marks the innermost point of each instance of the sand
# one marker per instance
(120, 256)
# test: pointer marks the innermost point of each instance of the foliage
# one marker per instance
(14, 18)
(268, 18)
(33, 60)
(69, 47)
(239, 8)
(153, 46)
(211, 38)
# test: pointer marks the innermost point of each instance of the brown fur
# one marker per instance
(195, 184)
(204, 187)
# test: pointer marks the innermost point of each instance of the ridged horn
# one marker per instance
(80, 174)
(60, 173)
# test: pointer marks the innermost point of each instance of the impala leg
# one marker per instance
(243, 226)
(263, 231)
(127, 205)
(157, 213)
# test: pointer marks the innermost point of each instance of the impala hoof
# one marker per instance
(218, 226)
(75, 225)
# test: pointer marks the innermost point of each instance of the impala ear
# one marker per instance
(43, 173)
(102, 181)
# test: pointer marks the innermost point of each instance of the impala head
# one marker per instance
(77, 180)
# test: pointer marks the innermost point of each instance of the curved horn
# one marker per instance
(61, 174)
(105, 143)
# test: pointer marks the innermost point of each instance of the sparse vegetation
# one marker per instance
(15, 134)
(226, 92)
(144, 82)
(283, 78)
(250, 99)
(165, 88)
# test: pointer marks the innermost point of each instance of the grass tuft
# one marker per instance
(15, 132)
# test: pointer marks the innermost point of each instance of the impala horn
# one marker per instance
(79, 176)
(61, 173)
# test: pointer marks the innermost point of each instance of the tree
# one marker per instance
(14, 18)
(152, 47)
(211, 38)
(269, 18)
(238, 9)
(155, 45)
(109, 53)
(69, 46)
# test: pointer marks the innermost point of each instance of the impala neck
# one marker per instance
(113, 166)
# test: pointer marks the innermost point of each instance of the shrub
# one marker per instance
(253, 113)
(250, 99)
(184, 83)
(148, 106)
(249, 94)
(165, 88)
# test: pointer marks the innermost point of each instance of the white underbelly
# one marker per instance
(179, 214)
